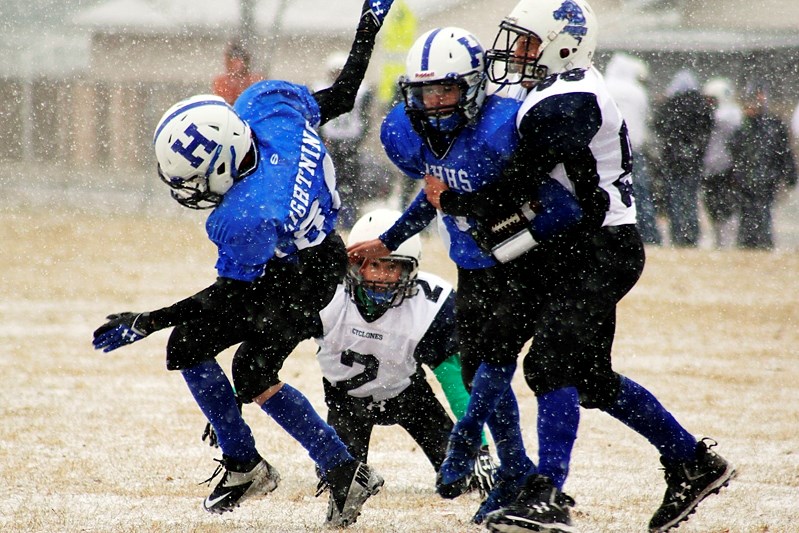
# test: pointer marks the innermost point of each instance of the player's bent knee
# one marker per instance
(251, 386)
(268, 393)
(599, 392)
(538, 380)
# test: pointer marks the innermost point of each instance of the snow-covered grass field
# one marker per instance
(111, 443)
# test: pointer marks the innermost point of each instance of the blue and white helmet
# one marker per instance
(444, 56)
(567, 31)
(199, 144)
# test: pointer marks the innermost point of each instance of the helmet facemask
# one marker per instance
(197, 192)
(513, 59)
(192, 192)
(444, 118)
(377, 296)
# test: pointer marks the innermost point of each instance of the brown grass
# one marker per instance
(94, 442)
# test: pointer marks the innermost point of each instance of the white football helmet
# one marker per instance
(444, 59)
(382, 294)
(719, 88)
(566, 29)
(200, 143)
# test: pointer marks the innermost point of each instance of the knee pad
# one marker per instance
(599, 391)
(538, 378)
(252, 375)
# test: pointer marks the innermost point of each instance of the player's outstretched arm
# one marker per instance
(339, 98)
(125, 328)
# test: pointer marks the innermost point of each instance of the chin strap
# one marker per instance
(370, 309)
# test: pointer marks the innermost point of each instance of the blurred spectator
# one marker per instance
(397, 38)
(624, 76)
(237, 75)
(683, 123)
(763, 166)
(795, 124)
(344, 137)
(718, 191)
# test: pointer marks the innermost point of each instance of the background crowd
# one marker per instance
(712, 150)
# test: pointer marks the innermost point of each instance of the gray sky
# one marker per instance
(15, 14)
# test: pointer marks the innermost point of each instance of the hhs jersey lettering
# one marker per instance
(456, 179)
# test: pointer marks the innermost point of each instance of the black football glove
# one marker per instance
(121, 329)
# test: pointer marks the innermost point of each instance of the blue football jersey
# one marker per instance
(476, 158)
(289, 202)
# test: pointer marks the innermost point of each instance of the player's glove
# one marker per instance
(485, 469)
(121, 329)
(376, 10)
(210, 435)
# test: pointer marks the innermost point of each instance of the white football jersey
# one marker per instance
(610, 146)
(377, 358)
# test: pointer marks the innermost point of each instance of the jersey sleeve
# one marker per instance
(560, 125)
(551, 131)
(401, 144)
(416, 217)
(244, 243)
(450, 376)
(440, 341)
(217, 298)
(339, 98)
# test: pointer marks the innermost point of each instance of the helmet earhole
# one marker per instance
(564, 53)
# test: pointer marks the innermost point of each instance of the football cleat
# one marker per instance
(350, 485)
(455, 475)
(239, 482)
(505, 490)
(540, 506)
(485, 471)
(450, 491)
(688, 483)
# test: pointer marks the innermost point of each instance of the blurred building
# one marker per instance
(89, 95)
